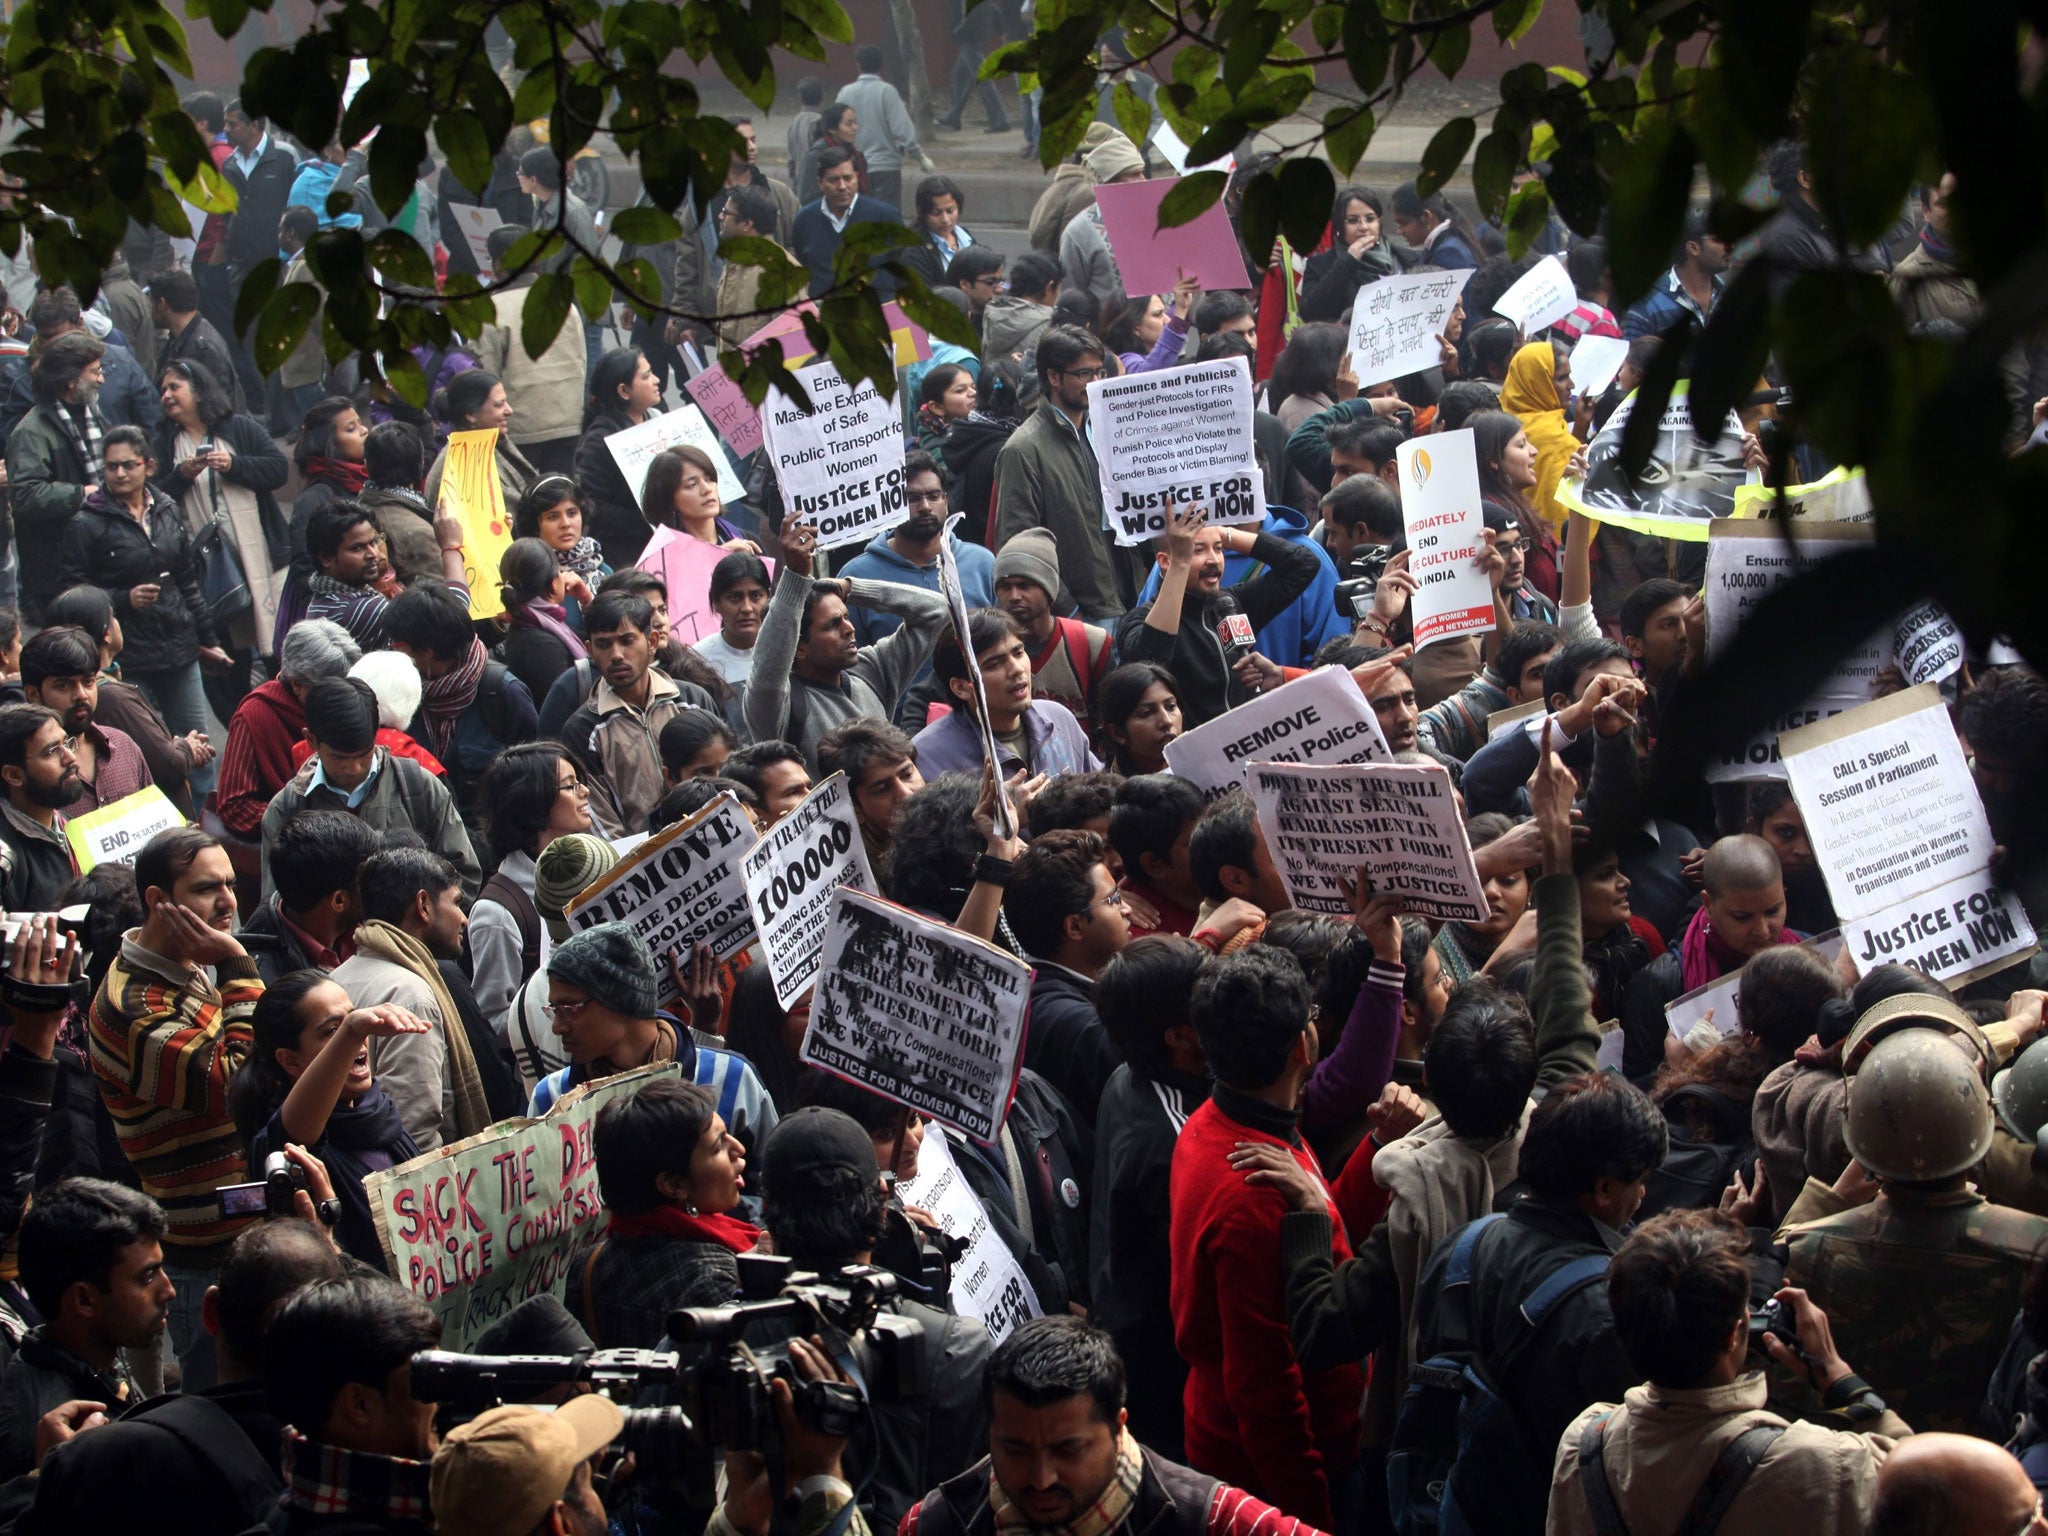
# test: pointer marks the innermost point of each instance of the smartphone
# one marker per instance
(243, 1199)
(203, 449)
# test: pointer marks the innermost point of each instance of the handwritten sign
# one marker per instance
(506, 1215)
(920, 1013)
(841, 466)
(791, 874)
(1446, 537)
(1903, 841)
(1541, 296)
(732, 415)
(1151, 259)
(474, 496)
(1398, 822)
(684, 427)
(679, 889)
(116, 832)
(988, 1282)
(1176, 438)
(1321, 718)
(1396, 321)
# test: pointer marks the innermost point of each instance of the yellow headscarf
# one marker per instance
(1530, 394)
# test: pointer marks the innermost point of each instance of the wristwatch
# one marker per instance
(990, 870)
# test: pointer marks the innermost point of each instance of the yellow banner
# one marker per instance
(1842, 496)
(115, 832)
(472, 494)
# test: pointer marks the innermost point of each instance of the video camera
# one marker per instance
(712, 1390)
(71, 920)
(1361, 578)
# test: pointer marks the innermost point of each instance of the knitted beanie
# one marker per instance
(565, 869)
(1112, 158)
(1031, 555)
(613, 964)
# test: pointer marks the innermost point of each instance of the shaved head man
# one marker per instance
(1954, 1485)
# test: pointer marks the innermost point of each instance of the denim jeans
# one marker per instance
(181, 699)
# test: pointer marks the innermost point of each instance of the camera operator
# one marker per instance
(518, 1469)
(1679, 1289)
(813, 1473)
(824, 1209)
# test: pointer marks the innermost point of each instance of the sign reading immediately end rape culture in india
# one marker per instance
(1446, 537)
(1685, 485)
(1179, 437)
(840, 466)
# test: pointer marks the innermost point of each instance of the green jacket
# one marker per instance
(403, 797)
(1046, 478)
(46, 485)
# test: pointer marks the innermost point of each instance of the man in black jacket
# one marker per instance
(309, 920)
(1068, 913)
(38, 775)
(189, 336)
(1178, 628)
(261, 171)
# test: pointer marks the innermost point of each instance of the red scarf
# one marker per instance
(348, 476)
(674, 1221)
(1704, 956)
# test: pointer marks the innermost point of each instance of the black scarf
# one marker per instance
(1615, 959)
(371, 1124)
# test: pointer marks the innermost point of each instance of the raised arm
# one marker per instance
(766, 703)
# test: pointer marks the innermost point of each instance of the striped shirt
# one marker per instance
(165, 1042)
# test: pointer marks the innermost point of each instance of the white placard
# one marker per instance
(791, 874)
(476, 223)
(1717, 998)
(988, 1282)
(117, 831)
(1321, 718)
(1398, 822)
(681, 888)
(920, 1013)
(682, 426)
(1446, 537)
(1927, 647)
(1541, 296)
(1396, 321)
(1595, 362)
(841, 466)
(1902, 839)
(1176, 437)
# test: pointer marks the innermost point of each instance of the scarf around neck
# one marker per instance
(552, 619)
(348, 476)
(327, 1480)
(371, 1124)
(585, 558)
(444, 699)
(1112, 1507)
(83, 423)
(715, 1228)
(1704, 956)
(471, 1111)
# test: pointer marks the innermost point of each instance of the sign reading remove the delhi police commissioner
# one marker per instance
(841, 465)
(680, 888)
(476, 1228)
(1321, 718)
(1180, 437)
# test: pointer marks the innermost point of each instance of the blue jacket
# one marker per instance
(1058, 744)
(310, 187)
(814, 242)
(1659, 309)
(1307, 624)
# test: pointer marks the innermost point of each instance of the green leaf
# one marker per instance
(1258, 213)
(283, 326)
(645, 226)
(593, 289)
(1327, 26)
(1307, 189)
(1868, 132)
(397, 255)
(257, 288)
(462, 139)
(1445, 153)
(395, 156)
(1133, 114)
(1763, 45)
(1652, 185)
(547, 306)
(1347, 134)
(1494, 165)
(1368, 45)
(1448, 49)
(1246, 50)
(1191, 195)
(1527, 216)
(407, 379)
(1513, 19)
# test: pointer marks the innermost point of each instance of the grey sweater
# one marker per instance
(869, 690)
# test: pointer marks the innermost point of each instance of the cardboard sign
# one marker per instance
(1902, 839)
(1395, 323)
(684, 565)
(476, 223)
(1321, 718)
(1683, 488)
(1595, 362)
(679, 889)
(1398, 822)
(683, 427)
(1176, 438)
(1717, 998)
(479, 1226)
(791, 874)
(474, 496)
(732, 415)
(988, 1282)
(1446, 537)
(1540, 297)
(920, 1013)
(841, 466)
(1151, 259)
(116, 832)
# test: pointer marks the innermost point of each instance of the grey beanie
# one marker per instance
(1113, 157)
(614, 965)
(1031, 555)
(566, 868)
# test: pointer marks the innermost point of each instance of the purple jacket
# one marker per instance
(1347, 1082)
(1173, 337)
(1057, 742)
(453, 361)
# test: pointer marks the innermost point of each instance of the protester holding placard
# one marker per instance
(1508, 479)
(624, 392)
(1031, 735)
(681, 492)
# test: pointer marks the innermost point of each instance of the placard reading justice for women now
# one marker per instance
(1179, 437)
(840, 466)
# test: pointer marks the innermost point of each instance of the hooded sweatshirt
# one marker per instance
(1294, 635)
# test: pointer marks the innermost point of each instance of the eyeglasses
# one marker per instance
(1085, 375)
(925, 498)
(1114, 899)
(573, 787)
(566, 1011)
(120, 466)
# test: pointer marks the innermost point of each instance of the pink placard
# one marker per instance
(684, 565)
(727, 408)
(1150, 259)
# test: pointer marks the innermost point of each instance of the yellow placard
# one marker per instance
(115, 833)
(472, 494)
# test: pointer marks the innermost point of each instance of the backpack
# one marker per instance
(1458, 1444)
(490, 698)
(509, 896)
(1709, 1506)
(1694, 1172)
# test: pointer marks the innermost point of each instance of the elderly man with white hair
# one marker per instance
(257, 761)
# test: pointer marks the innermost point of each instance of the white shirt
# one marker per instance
(247, 162)
(730, 662)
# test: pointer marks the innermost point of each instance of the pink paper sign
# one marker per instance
(726, 407)
(1150, 259)
(684, 565)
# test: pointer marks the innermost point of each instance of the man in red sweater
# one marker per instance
(1254, 1417)
(257, 761)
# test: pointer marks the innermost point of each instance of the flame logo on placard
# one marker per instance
(1419, 467)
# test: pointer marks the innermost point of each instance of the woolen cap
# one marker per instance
(814, 1140)
(1113, 157)
(565, 869)
(500, 1472)
(1031, 555)
(614, 965)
